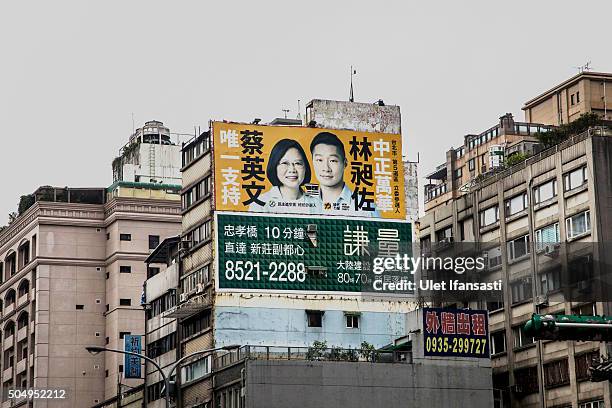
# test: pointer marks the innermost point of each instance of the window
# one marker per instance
(592, 404)
(125, 269)
(190, 282)
(153, 241)
(495, 305)
(578, 224)
(352, 321)
(123, 334)
(518, 248)
(588, 309)
(125, 237)
(516, 204)
(520, 339)
(583, 362)
(556, 373)
(498, 342)
(315, 318)
(526, 380)
(575, 178)
(521, 290)
(494, 257)
(578, 97)
(471, 164)
(107, 236)
(198, 369)
(546, 236)
(444, 234)
(458, 173)
(550, 280)
(200, 234)
(572, 99)
(152, 271)
(107, 275)
(120, 368)
(106, 340)
(489, 216)
(161, 346)
(80, 307)
(125, 302)
(197, 192)
(196, 324)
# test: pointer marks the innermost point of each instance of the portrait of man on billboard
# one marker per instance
(287, 170)
(329, 162)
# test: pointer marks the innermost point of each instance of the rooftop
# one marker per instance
(571, 81)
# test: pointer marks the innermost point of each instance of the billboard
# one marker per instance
(265, 252)
(303, 170)
(455, 333)
(132, 363)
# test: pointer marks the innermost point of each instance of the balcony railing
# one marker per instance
(311, 354)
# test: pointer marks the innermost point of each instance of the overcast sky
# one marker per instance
(72, 73)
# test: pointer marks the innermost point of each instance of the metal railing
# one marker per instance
(310, 354)
(493, 178)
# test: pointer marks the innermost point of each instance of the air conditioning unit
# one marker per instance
(541, 300)
(551, 250)
(184, 297)
(185, 245)
(199, 288)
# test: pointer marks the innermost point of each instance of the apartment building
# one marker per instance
(161, 336)
(583, 93)
(479, 155)
(72, 269)
(208, 318)
(536, 221)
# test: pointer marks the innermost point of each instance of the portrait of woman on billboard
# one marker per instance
(287, 170)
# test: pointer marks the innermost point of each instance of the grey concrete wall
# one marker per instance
(363, 117)
(313, 384)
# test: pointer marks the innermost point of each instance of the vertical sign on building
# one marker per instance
(132, 363)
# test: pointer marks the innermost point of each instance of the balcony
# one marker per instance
(21, 366)
(9, 309)
(23, 300)
(8, 342)
(22, 333)
(438, 174)
(433, 191)
(7, 374)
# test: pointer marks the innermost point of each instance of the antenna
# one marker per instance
(286, 112)
(584, 68)
(351, 96)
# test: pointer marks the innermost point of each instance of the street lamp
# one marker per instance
(97, 349)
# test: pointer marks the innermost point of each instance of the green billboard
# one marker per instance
(301, 253)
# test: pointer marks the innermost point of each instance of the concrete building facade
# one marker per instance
(208, 319)
(72, 276)
(557, 199)
(480, 154)
(564, 103)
